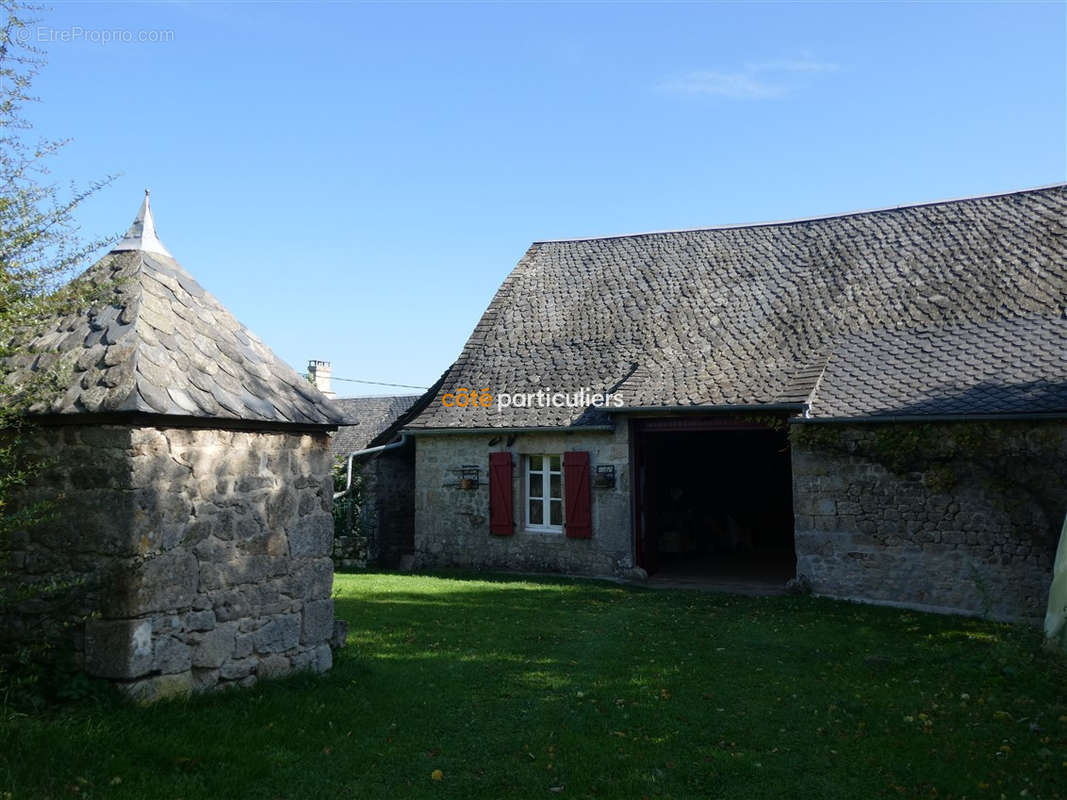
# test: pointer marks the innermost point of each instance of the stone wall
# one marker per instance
(452, 523)
(205, 553)
(87, 533)
(959, 516)
(349, 552)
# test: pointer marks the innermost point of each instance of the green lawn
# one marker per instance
(544, 688)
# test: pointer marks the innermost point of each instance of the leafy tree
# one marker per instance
(40, 249)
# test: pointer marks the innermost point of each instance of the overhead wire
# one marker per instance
(380, 383)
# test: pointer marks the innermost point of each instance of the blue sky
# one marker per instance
(354, 180)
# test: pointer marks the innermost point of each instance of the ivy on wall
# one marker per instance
(346, 509)
(1018, 464)
(773, 422)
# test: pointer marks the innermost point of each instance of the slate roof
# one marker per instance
(374, 415)
(747, 315)
(163, 345)
(1001, 366)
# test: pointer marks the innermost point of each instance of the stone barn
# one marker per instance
(873, 403)
(190, 469)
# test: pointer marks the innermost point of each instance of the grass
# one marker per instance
(544, 688)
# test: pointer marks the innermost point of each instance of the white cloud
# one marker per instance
(759, 80)
(804, 64)
(724, 84)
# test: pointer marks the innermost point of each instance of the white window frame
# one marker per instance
(546, 472)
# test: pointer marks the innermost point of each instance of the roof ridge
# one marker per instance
(134, 401)
(797, 220)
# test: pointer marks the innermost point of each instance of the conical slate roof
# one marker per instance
(163, 345)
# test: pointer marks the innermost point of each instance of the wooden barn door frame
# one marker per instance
(646, 552)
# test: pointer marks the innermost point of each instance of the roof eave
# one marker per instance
(148, 419)
(990, 417)
(792, 408)
(518, 429)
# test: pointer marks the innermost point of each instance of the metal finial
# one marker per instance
(142, 233)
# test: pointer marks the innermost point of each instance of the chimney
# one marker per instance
(319, 373)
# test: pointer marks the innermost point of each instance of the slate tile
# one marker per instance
(156, 349)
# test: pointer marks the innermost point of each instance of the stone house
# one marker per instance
(192, 472)
(874, 402)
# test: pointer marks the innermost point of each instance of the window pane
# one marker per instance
(554, 462)
(535, 463)
(556, 512)
(554, 483)
(537, 485)
(537, 512)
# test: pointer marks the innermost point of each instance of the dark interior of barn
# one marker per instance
(719, 503)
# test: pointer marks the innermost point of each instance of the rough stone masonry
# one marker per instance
(205, 553)
(943, 516)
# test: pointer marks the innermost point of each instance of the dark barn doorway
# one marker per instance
(714, 501)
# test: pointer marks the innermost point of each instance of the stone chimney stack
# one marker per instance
(320, 373)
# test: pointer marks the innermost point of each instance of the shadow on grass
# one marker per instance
(518, 685)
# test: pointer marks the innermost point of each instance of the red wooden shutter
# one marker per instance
(501, 504)
(579, 515)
